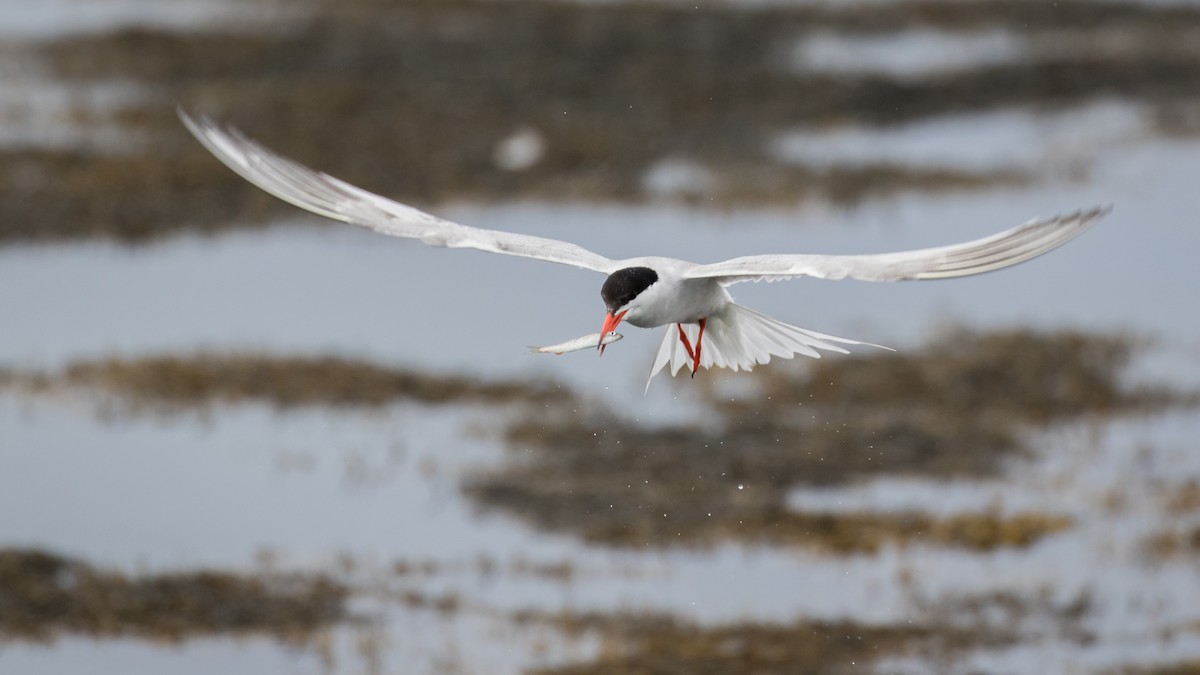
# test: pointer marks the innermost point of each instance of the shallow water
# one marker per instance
(337, 289)
(60, 17)
(226, 486)
(355, 492)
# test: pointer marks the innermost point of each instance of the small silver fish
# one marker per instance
(585, 342)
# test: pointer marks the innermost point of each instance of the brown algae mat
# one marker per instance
(43, 595)
(198, 380)
(412, 99)
(959, 408)
(649, 645)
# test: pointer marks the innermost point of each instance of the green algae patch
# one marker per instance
(43, 595)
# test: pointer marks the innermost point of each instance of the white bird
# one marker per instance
(705, 328)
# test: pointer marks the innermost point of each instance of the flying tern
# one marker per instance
(705, 328)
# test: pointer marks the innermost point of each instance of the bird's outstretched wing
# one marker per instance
(327, 196)
(974, 257)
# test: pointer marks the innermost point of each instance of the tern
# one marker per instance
(705, 328)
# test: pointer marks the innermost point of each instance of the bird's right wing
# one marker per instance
(327, 196)
(974, 257)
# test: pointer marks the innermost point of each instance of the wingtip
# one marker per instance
(192, 120)
(1080, 216)
(1086, 216)
(1099, 211)
(1079, 221)
(204, 127)
(186, 117)
(198, 124)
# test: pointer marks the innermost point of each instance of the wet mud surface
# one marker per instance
(417, 100)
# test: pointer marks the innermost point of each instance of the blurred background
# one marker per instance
(235, 437)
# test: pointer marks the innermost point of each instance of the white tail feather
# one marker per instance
(740, 338)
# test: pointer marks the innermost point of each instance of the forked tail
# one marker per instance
(740, 338)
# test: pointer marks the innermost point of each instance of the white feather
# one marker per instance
(327, 196)
(735, 337)
(740, 338)
(973, 257)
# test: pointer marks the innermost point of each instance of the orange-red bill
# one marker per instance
(610, 324)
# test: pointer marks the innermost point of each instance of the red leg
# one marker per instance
(686, 343)
(699, 341)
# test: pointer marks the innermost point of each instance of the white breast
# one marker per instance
(675, 300)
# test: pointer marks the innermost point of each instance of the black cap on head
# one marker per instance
(626, 284)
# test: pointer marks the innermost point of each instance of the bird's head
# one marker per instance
(620, 292)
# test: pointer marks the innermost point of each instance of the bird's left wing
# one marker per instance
(974, 257)
(327, 196)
